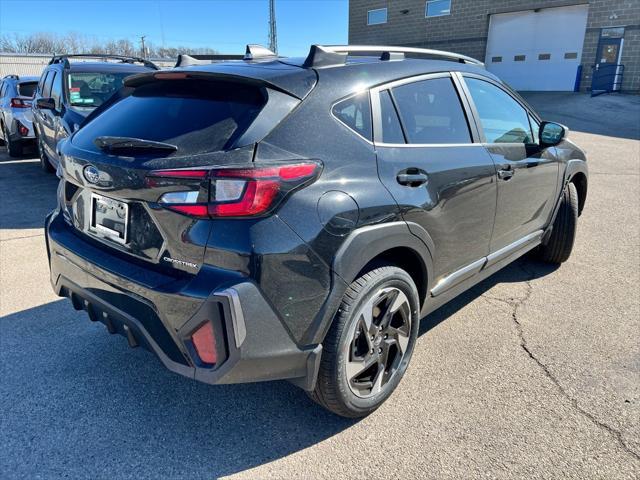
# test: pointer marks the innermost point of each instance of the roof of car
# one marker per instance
(290, 75)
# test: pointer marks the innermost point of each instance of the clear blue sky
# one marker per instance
(226, 25)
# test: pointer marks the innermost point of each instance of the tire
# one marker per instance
(14, 148)
(351, 380)
(558, 249)
(45, 164)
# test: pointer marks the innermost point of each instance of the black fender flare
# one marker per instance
(574, 166)
(358, 249)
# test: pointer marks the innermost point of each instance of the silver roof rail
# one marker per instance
(332, 55)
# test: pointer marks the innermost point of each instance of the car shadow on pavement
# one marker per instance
(27, 193)
(76, 401)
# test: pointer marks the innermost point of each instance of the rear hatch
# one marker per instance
(136, 176)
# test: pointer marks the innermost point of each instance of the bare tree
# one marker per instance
(74, 42)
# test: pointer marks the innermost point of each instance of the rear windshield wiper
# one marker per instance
(128, 143)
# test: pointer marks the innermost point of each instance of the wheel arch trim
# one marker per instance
(360, 248)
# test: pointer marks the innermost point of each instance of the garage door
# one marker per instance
(537, 50)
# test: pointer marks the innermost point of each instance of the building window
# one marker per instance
(437, 8)
(376, 17)
(496, 59)
(519, 58)
(570, 55)
(544, 56)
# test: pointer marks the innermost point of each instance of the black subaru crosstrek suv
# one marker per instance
(69, 89)
(282, 218)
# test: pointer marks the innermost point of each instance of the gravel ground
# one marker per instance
(534, 373)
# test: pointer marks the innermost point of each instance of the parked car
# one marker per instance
(15, 112)
(283, 218)
(70, 88)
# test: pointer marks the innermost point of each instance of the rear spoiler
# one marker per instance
(252, 52)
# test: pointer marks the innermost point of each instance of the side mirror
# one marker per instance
(551, 134)
(46, 104)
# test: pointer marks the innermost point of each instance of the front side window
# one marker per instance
(376, 17)
(355, 113)
(503, 119)
(91, 89)
(431, 112)
(46, 91)
(56, 90)
(438, 8)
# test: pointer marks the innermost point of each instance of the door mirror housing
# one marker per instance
(46, 104)
(551, 134)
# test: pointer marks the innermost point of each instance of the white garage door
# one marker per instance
(537, 50)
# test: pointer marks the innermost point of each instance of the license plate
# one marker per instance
(109, 218)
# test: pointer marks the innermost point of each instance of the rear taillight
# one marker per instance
(20, 103)
(204, 343)
(235, 192)
(22, 130)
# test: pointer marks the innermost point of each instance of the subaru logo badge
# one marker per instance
(92, 174)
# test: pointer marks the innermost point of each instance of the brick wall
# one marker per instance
(465, 30)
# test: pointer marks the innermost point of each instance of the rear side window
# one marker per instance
(503, 119)
(391, 129)
(27, 89)
(431, 112)
(197, 116)
(355, 113)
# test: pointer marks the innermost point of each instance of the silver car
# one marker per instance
(16, 118)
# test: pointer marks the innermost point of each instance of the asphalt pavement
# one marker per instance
(533, 373)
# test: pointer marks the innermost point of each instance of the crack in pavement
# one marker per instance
(515, 304)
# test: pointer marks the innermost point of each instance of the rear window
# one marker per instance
(27, 89)
(197, 116)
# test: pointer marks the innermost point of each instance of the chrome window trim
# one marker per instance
(374, 96)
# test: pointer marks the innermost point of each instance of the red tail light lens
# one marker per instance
(204, 342)
(236, 192)
(20, 103)
(24, 131)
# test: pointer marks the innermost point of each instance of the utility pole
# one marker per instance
(144, 51)
(273, 34)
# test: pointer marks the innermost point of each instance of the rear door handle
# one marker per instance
(412, 179)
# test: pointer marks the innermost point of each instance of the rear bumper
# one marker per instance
(24, 121)
(252, 342)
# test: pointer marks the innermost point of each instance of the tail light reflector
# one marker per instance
(204, 342)
(236, 192)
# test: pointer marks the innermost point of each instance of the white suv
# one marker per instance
(16, 118)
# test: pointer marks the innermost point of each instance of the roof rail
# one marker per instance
(333, 55)
(124, 59)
